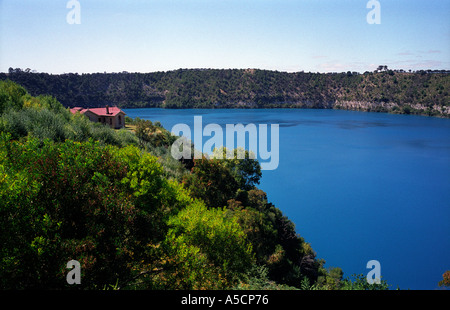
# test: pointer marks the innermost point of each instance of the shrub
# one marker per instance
(99, 205)
(208, 249)
(67, 205)
(212, 182)
(11, 95)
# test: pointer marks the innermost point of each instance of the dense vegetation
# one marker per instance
(396, 91)
(134, 217)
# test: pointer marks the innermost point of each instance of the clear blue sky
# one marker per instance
(284, 35)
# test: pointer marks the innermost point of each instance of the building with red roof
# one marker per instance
(112, 116)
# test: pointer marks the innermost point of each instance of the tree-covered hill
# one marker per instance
(396, 91)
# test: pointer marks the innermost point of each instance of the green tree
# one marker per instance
(208, 248)
(212, 182)
(69, 209)
(334, 278)
(243, 166)
(103, 206)
(11, 95)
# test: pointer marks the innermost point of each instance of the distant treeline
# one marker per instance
(384, 90)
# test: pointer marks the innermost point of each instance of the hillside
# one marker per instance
(134, 217)
(421, 92)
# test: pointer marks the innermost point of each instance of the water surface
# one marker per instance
(359, 186)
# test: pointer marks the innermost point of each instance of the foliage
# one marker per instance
(397, 91)
(211, 181)
(44, 117)
(156, 140)
(219, 182)
(111, 208)
(360, 283)
(257, 278)
(208, 249)
(445, 282)
(11, 95)
(245, 169)
(67, 210)
(103, 207)
(152, 134)
(134, 217)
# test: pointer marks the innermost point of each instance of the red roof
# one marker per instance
(107, 111)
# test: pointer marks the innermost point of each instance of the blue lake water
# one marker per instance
(359, 186)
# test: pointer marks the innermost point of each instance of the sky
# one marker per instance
(283, 35)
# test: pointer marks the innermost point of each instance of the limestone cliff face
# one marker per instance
(392, 107)
(364, 105)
